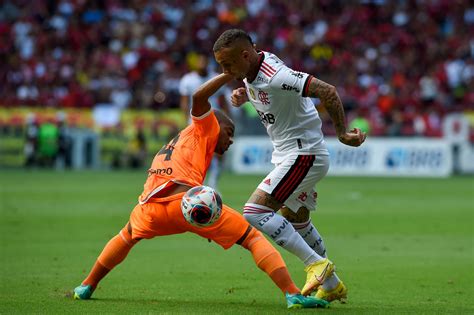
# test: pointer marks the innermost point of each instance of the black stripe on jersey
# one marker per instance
(306, 85)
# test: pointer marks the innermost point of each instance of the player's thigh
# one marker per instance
(292, 182)
(227, 230)
(300, 216)
(155, 219)
(304, 197)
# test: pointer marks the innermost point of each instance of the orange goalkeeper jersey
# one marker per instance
(186, 158)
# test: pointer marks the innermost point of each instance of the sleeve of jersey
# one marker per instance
(206, 125)
(290, 81)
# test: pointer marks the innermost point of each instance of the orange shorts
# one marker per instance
(163, 216)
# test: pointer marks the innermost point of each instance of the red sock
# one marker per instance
(113, 254)
(270, 261)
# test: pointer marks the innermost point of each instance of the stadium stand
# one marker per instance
(402, 65)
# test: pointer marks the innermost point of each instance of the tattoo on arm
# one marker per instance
(331, 101)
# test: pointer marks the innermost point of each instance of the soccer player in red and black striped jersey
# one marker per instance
(282, 99)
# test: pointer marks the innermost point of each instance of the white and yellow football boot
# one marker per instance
(316, 274)
(338, 293)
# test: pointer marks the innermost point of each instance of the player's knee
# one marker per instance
(301, 216)
(264, 199)
(257, 215)
(126, 235)
(252, 237)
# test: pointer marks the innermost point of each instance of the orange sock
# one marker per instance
(270, 261)
(113, 254)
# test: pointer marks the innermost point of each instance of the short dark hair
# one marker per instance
(229, 37)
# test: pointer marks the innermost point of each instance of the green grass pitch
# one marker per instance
(401, 245)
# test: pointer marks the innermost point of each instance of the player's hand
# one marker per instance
(353, 138)
(239, 96)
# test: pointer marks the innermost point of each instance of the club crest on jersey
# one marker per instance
(263, 97)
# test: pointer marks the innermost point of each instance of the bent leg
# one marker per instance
(270, 261)
(113, 254)
(260, 212)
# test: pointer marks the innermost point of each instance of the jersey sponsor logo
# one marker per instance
(297, 74)
(263, 97)
(286, 87)
(266, 118)
(262, 79)
(161, 171)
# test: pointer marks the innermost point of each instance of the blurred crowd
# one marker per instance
(399, 66)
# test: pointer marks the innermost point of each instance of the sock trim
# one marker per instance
(300, 226)
(256, 208)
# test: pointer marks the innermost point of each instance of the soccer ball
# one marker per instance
(201, 206)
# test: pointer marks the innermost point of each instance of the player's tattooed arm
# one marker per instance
(331, 101)
(262, 198)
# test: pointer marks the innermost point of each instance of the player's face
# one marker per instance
(234, 61)
(226, 138)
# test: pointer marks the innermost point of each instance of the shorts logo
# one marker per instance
(263, 97)
(267, 181)
(303, 196)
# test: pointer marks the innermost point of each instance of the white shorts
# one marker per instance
(292, 182)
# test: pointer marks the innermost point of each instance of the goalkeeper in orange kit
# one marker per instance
(177, 167)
